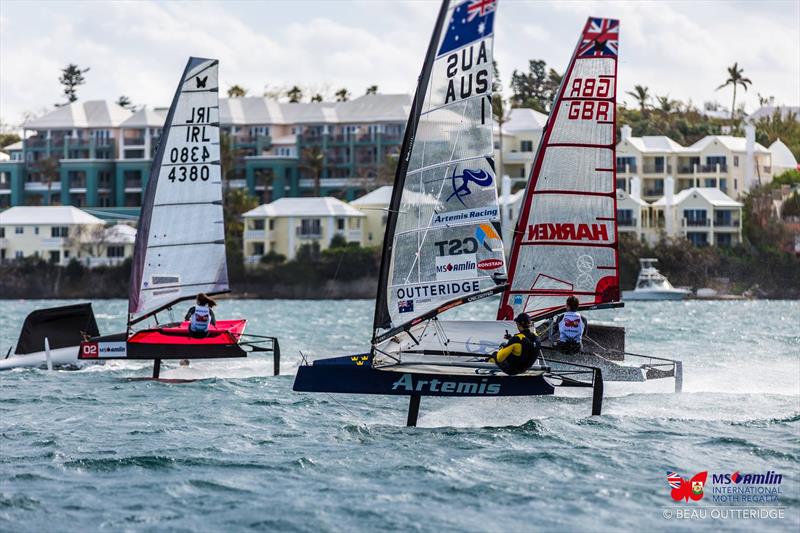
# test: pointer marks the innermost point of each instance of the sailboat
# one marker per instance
(565, 243)
(442, 246)
(50, 338)
(180, 242)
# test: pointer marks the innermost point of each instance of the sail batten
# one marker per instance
(566, 238)
(179, 248)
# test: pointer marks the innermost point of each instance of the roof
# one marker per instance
(654, 143)
(89, 114)
(383, 196)
(769, 110)
(319, 207)
(29, 215)
(623, 195)
(366, 108)
(781, 155)
(146, 118)
(714, 196)
(524, 119)
(15, 146)
(121, 234)
(734, 144)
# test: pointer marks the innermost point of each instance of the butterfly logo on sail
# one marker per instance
(478, 177)
(201, 82)
(685, 490)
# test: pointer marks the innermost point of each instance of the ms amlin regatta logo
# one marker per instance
(734, 488)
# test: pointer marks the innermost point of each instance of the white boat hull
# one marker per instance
(60, 357)
(653, 295)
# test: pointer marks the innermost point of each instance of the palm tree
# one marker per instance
(237, 91)
(313, 160)
(372, 89)
(641, 94)
(665, 104)
(124, 101)
(735, 78)
(295, 94)
(316, 98)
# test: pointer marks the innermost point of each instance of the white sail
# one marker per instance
(566, 240)
(443, 241)
(180, 244)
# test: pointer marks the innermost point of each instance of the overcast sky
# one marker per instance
(676, 48)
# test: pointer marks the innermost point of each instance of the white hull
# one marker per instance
(60, 357)
(655, 294)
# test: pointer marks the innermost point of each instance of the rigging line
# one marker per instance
(340, 404)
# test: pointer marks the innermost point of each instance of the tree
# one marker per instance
(735, 79)
(780, 125)
(237, 91)
(229, 156)
(47, 168)
(313, 160)
(641, 94)
(295, 94)
(316, 98)
(124, 101)
(342, 95)
(7, 138)
(791, 207)
(372, 89)
(71, 78)
(236, 202)
(536, 88)
(665, 105)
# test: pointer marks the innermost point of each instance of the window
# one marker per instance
(526, 146)
(259, 131)
(736, 160)
(19, 230)
(697, 239)
(625, 217)
(695, 217)
(271, 225)
(258, 248)
(66, 254)
(724, 239)
(710, 182)
(2, 232)
(340, 224)
(18, 254)
(659, 164)
(258, 223)
(621, 184)
(55, 256)
(713, 160)
(36, 230)
(115, 251)
(59, 231)
(310, 227)
(723, 218)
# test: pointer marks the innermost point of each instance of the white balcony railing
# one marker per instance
(255, 234)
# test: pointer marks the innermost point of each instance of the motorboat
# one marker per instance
(653, 285)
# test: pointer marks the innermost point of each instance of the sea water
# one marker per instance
(238, 450)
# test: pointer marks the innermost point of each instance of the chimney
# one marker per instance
(669, 200)
(626, 132)
(750, 145)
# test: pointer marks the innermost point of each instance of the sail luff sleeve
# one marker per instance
(382, 319)
(566, 239)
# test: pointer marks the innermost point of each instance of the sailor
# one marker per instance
(571, 327)
(520, 351)
(200, 316)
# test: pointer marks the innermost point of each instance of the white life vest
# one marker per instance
(570, 328)
(201, 318)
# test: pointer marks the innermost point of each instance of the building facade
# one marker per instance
(715, 161)
(283, 226)
(59, 234)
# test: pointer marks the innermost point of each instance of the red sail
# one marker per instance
(566, 237)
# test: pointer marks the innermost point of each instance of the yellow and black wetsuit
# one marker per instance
(519, 353)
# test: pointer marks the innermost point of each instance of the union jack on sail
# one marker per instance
(674, 480)
(600, 39)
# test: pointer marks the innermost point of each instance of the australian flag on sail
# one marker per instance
(471, 21)
(601, 38)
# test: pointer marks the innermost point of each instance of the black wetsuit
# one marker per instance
(530, 350)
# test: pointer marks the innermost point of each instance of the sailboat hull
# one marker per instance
(355, 375)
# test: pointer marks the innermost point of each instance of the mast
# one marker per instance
(180, 242)
(382, 320)
(565, 242)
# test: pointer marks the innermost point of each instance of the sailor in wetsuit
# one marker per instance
(520, 351)
(200, 316)
(571, 328)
